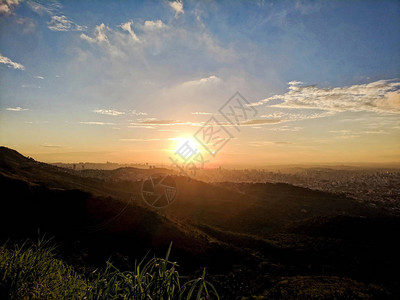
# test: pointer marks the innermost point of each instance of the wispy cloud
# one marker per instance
(282, 143)
(346, 137)
(39, 77)
(50, 8)
(147, 140)
(264, 143)
(51, 146)
(294, 82)
(201, 113)
(28, 25)
(58, 21)
(162, 122)
(202, 81)
(110, 112)
(128, 27)
(212, 45)
(177, 6)
(141, 126)
(345, 134)
(37, 122)
(96, 123)
(286, 128)
(260, 122)
(155, 122)
(16, 108)
(306, 7)
(100, 35)
(294, 116)
(153, 25)
(168, 130)
(155, 38)
(10, 63)
(30, 86)
(62, 23)
(349, 134)
(378, 96)
(138, 113)
(113, 112)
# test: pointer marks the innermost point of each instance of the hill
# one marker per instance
(251, 237)
(37, 195)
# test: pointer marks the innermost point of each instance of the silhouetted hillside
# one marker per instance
(37, 195)
(255, 239)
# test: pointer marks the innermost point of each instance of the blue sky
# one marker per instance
(97, 80)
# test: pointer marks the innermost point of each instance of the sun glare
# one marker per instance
(186, 146)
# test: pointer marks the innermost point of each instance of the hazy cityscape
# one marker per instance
(371, 185)
(379, 185)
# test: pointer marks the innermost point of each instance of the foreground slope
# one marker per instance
(256, 239)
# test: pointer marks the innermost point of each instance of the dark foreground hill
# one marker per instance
(255, 239)
(108, 217)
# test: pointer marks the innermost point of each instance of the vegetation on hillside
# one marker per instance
(33, 272)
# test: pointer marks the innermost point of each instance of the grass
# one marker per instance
(33, 272)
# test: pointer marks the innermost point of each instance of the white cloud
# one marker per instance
(138, 113)
(289, 116)
(346, 136)
(87, 38)
(153, 25)
(128, 27)
(10, 63)
(51, 146)
(96, 123)
(58, 22)
(37, 122)
(177, 6)
(100, 35)
(109, 112)
(156, 39)
(199, 88)
(141, 127)
(260, 122)
(286, 128)
(6, 6)
(154, 122)
(162, 122)
(391, 101)
(203, 81)
(294, 82)
(30, 86)
(16, 108)
(113, 112)
(62, 23)
(39, 77)
(379, 96)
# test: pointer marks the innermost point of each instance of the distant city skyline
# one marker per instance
(131, 81)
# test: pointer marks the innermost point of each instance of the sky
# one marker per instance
(142, 81)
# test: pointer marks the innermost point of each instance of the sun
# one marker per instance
(186, 146)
